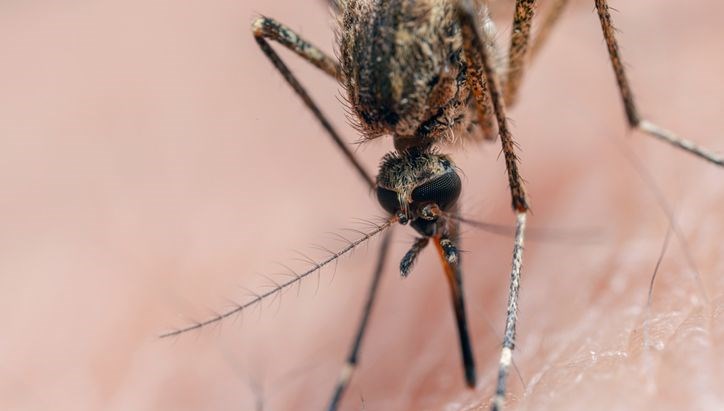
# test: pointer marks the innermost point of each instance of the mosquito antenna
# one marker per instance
(309, 260)
(555, 235)
(250, 294)
(233, 304)
(336, 263)
(340, 237)
(279, 287)
(277, 294)
(294, 274)
(306, 258)
(365, 222)
(356, 231)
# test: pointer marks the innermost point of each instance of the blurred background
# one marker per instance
(153, 164)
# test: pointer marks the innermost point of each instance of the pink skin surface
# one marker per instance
(152, 162)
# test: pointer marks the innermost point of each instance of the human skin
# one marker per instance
(152, 161)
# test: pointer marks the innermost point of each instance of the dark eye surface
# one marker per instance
(388, 199)
(443, 190)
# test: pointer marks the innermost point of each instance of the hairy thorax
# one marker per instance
(404, 70)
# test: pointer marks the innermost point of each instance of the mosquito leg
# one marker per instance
(479, 61)
(550, 19)
(265, 28)
(632, 114)
(479, 86)
(523, 50)
(473, 38)
(409, 259)
(352, 358)
(506, 355)
(517, 55)
(450, 259)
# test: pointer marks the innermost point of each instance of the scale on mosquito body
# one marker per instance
(426, 73)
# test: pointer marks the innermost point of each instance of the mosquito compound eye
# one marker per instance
(443, 191)
(388, 199)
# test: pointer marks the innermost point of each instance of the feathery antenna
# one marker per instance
(296, 278)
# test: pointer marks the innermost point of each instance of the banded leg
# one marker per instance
(479, 62)
(473, 38)
(353, 357)
(523, 50)
(478, 84)
(632, 114)
(550, 19)
(449, 256)
(517, 55)
(265, 28)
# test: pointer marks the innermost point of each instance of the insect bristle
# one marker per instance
(275, 288)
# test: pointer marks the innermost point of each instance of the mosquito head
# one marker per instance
(418, 188)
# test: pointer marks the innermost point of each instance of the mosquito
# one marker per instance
(429, 73)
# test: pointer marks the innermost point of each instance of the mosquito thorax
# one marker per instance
(403, 69)
(418, 187)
